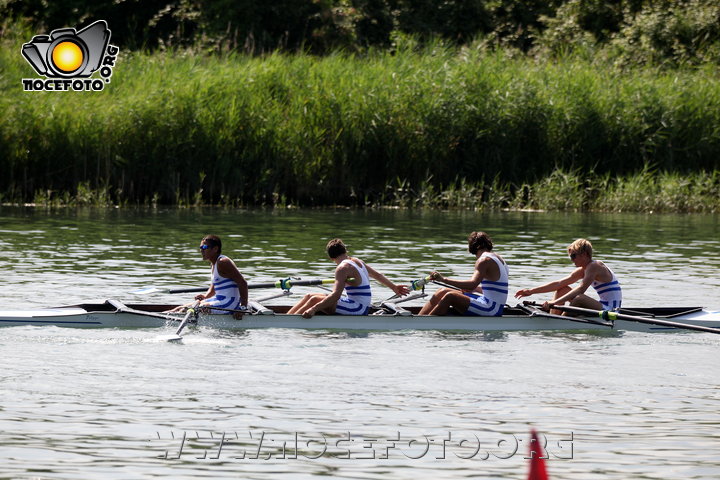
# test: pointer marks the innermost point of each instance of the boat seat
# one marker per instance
(395, 309)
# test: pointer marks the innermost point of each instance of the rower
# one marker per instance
(228, 291)
(484, 294)
(590, 273)
(351, 294)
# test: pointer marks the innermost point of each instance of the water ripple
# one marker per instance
(116, 403)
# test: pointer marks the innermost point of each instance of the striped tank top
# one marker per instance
(362, 293)
(227, 294)
(496, 291)
(610, 293)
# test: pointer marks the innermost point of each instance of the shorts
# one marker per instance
(611, 305)
(483, 307)
(221, 301)
(348, 306)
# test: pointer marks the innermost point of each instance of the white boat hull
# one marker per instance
(145, 316)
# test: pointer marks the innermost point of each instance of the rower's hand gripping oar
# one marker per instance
(424, 281)
(192, 312)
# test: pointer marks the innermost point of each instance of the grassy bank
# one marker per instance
(645, 191)
(182, 129)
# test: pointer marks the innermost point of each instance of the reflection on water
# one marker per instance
(81, 403)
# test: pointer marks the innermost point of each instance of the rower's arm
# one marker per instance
(590, 272)
(398, 289)
(210, 292)
(552, 286)
(341, 276)
(227, 269)
(466, 285)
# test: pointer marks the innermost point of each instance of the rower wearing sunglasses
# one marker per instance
(228, 289)
(590, 273)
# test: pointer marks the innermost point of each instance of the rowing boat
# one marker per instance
(114, 314)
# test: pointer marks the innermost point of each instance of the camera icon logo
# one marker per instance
(68, 54)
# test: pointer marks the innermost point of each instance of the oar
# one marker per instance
(285, 284)
(414, 285)
(533, 309)
(191, 312)
(610, 315)
(288, 283)
(420, 284)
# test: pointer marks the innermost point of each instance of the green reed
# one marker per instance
(439, 127)
(647, 191)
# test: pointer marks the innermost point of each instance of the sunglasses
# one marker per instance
(572, 256)
(204, 247)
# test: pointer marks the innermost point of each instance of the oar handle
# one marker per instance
(420, 283)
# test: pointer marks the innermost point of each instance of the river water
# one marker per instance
(117, 404)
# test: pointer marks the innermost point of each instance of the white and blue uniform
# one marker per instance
(356, 300)
(610, 292)
(494, 294)
(227, 294)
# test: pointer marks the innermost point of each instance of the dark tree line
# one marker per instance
(665, 31)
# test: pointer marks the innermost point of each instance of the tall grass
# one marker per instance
(185, 129)
(648, 191)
